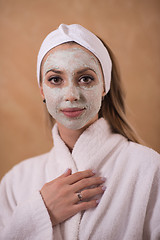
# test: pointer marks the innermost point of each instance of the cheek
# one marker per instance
(94, 95)
(52, 95)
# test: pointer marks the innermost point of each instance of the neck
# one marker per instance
(70, 136)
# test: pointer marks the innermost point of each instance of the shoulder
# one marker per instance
(29, 168)
(142, 155)
(32, 162)
(140, 150)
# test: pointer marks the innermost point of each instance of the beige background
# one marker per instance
(130, 27)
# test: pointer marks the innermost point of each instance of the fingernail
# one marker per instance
(94, 171)
(103, 179)
(66, 170)
(103, 188)
(97, 201)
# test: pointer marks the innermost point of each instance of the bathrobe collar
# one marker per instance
(93, 145)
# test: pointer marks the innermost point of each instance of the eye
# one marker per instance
(55, 80)
(86, 79)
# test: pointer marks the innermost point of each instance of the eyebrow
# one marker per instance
(85, 69)
(61, 72)
(54, 70)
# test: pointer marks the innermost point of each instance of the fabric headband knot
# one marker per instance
(77, 33)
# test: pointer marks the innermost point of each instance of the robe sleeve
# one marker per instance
(155, 212)
(152, 219)
(25, 220)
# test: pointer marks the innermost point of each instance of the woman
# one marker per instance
(97, 182)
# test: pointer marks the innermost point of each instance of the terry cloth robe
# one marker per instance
(129, 208)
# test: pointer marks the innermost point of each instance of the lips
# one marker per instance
(73, 112)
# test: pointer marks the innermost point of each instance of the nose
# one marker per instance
(72, 94)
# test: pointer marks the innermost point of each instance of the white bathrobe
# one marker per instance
(129, 209)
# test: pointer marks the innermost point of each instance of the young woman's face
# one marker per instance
(72, 84)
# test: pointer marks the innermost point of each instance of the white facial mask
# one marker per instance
(87, 98)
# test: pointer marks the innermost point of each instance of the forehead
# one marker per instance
(70, 46)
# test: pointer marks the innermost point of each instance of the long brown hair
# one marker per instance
(113, 104)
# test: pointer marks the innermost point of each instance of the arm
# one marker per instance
(152, 218)
(27, 220)
(154, 208)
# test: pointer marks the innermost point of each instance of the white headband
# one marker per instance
(82, 36)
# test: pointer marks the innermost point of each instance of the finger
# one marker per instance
(67, 172)
(80, 175)
(85, 205)
(87, 182)
(89, 193)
